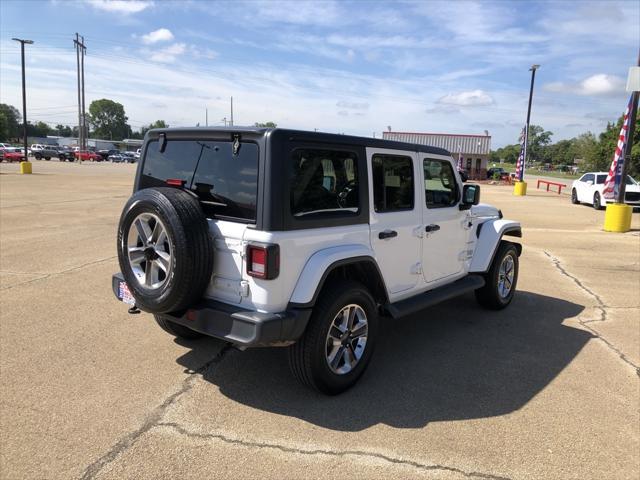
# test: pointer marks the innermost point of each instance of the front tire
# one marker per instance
(501, 279)
(597, 203)
(338, 343)
(574, 197)
(176, 329)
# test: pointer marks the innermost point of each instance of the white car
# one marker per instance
(588, 189)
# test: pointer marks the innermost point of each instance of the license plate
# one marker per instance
(125, 294)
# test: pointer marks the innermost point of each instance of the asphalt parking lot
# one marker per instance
(548, 388)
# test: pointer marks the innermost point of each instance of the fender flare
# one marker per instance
(490, 234)
(321, 264)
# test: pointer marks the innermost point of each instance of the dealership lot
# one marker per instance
(548, 388)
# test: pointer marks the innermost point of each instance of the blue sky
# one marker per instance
(354, 67)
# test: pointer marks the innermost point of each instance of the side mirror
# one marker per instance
(470, 196)
(589, 182)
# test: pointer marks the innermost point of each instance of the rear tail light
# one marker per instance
(175, 182)
(263, 260)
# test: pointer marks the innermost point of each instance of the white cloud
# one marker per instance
(168, 54)
(160, 35)
(600, 84)
(467, 99)
(353, 105)
(121, 6)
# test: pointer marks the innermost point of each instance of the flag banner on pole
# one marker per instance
(523, 147)
(460, 167)
(612, 183)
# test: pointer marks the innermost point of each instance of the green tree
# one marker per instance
(156, 124)
(508, 153)
(608, 141)
(9, 122)
(539, 138)
(108, 120)
(266, 124)
(64, 130)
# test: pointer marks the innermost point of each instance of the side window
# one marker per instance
(440, 186)
(324, 181)
(393, 185)
(587, 177)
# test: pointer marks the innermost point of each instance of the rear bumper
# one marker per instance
(245, 328)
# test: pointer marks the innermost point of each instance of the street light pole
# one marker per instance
(526, 133)
(24, 96)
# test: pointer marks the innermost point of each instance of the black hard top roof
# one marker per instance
(300, 135)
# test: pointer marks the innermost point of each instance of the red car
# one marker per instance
(87, 155)
(11, 156)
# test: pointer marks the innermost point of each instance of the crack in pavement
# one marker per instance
(55, 274)
(601, 306)
(153, 419)
(355, 453)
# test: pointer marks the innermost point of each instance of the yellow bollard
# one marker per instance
(25, 167)
(520, 188)
(617, 218)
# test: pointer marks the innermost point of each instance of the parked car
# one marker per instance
(66, 154)
(35, 148)
(11, 156)
(87, 155)
(105, 154)
(45, 151)
(116, 158)
(273, 237)
(588, 189)
(497, 170)
(129, 157)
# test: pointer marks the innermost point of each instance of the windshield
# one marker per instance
(600, 179)
(226, 184)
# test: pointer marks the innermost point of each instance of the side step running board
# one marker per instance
(414, 304)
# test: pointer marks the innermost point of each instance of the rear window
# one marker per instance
(226, 184)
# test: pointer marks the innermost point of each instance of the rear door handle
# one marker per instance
(387, 234)
(432, 228)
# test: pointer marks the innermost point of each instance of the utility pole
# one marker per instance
(626, 155)
(231, 121)
(206, 117)
(225, 121)
(80, 49)
(85, 130)
(24, 97)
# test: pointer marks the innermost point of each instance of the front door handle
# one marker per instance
(387, 234)
(432, 228)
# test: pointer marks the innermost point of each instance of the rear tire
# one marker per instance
(322, 361)
(176, 329)
(502, 274)
(574, 197)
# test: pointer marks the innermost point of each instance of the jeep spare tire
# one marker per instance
(164, 249)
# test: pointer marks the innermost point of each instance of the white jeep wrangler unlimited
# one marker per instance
(272, 237)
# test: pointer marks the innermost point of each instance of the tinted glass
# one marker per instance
(392, 183)
(226, 184)
(440, 186)
(587, 177)
(600, 179)
(324, 181)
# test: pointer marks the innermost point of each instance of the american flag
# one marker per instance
(612, 183)
(523, 149)
(460, 167)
